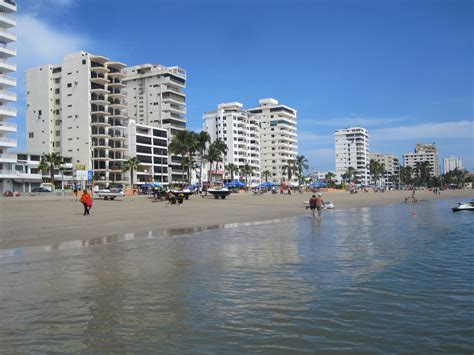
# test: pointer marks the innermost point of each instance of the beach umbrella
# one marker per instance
(147, 185)
(318, 184)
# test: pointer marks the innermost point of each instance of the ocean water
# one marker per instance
(389, 279)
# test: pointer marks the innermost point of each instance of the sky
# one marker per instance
(402, 69)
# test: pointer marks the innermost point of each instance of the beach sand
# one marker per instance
(48, 220)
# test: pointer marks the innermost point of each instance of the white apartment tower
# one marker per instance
(452, 163)
(240, 131)
(155, 98)
(278, 137)
(423, 153)
(77, 109)
(7, 66)
(352, 150)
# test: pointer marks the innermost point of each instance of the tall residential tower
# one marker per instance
(77, 109)
(7, 66)
(155, 98)
(278, 137)
(352, 151)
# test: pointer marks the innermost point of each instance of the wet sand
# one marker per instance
(47, 220)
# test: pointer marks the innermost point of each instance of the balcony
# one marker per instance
(8, 142)
(99, 121)
(6, 80)
(7, 36)
(7, 127)
(8, 158)
(102, 133)
(116, 114)
(7, 6)
(6, 111)
(98, 110)
(116, 94)
(116, 83)
(116, 74)
(7, 96)
(98, 78)
(117, 104)
(98, 99)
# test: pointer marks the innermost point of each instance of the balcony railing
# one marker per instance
(8, 140)
(11, 18)
(8, 33)
(8, 156)
(7, 124)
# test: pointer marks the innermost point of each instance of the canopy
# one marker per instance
(147, 185)
(266, 184)
(318, 184)
(235, 183)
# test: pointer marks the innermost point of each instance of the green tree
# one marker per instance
(52, 160)
(232, 169)
(423, 172)
(329, 176)
(376, 169)
(131, 164)
(406, 175)
(301, 164)
(289, 169)
(350, 174)
(246, 171)
(266, 174)
(202, 140)
(185, 144)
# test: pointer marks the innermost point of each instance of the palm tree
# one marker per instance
(350, 174)
(221, 148)
(184, 143)
(202, 139)
(329, 176)
(422, 172)
(376, 169)
(406, 174)
(301, 164)
(43, 167)
(131, 164)
(232, 169)
(52, 160)
(246, 170)
(266, 174)
(289, 168)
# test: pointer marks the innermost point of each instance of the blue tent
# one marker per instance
(318, 184)
(266, 185)
(147, 185)
(235, 184)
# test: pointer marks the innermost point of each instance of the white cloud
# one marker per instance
(435, 130)
(40, 43)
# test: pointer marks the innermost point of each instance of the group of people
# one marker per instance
(316, 203)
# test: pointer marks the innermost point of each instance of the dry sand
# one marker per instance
(48, 220)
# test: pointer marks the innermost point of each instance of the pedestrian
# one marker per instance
(312, 204)
(319, 204)
(86, 200)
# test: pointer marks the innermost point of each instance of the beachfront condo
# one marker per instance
(150, 145)
(352, 151)
(452, 163)
(8, 175)
(77, 109)
(278, 138)
(423, 153)
(155, 98)
(391, 165)
(240, 131)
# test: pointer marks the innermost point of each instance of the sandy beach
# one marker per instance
(48, 220)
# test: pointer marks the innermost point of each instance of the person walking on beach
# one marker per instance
(312, 204)
(86, 200)
(319, 204)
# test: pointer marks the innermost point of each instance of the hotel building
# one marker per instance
(77, 109)
(352, 150)
(390, 162)
(278, 137)
(240, 131)
(452, 163)
(423, 152)
(150, 145)
(8, 174)
(155, 98)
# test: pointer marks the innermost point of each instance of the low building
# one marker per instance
(150, 145)
(391, 165)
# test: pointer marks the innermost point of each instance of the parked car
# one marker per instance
(40, 189)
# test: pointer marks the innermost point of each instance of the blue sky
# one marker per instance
(402, 69)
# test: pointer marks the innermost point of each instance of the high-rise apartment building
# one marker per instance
(278, 137)
(352, 151)
(390, 162)
(240, 131)
(155, 98)
(423, 153)
(7, 97)
(77, 108)
(452, 163)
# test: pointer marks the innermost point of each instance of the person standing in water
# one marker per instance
(319, 204)
(312, 204)
(86, 200)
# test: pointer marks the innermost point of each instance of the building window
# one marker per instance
(69, 85)
(31, 135)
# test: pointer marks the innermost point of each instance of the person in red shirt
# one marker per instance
(86, 200)
(312, 204)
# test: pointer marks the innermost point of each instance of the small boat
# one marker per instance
(185, 192)
(466, 206)
(328, 205)
(222, 193)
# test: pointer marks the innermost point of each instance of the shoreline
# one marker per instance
(33, 221)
